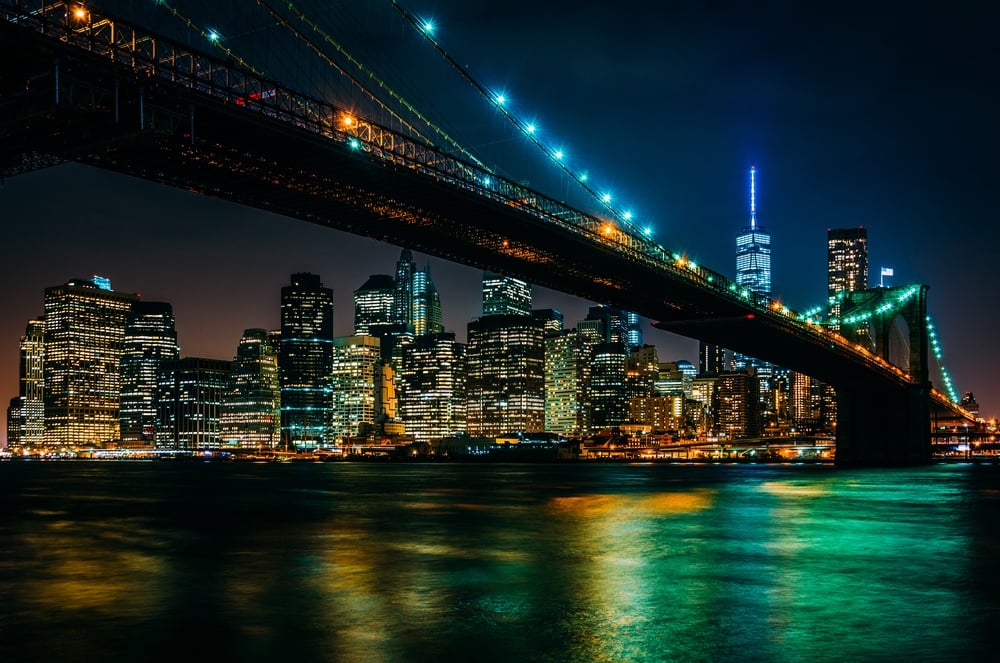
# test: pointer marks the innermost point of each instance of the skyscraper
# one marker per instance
(31, 384)
(736, 404)
(607, 398)
(505, 380)
(432, 387)
(189, 397)
(150, 339)
(84, 335)
(712, 359)
(426, 304)
(402, 306)
(847, 263)
(505, 295)
(564, 408)
(251, 406)
(373, 303)
(356, 362)
(305, 361)
(753, 251)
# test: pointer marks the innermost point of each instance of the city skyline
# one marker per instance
(833, 149)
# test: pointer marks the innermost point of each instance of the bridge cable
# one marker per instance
(208, 36)
(603, 199)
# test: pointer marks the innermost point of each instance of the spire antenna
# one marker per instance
(753, 199)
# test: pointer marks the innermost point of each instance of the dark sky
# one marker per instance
(882, 116)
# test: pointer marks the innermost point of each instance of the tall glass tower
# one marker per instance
(402, 306)
(31, 384)
(251, 406)
(753, 250)
(84, 335)
(305, 361)
(426, 305)
(150, 339)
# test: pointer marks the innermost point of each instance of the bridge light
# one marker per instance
(530, 128)
(627, 215)
(213, 36)
(349, 121)
(500, 99)
(583, 177)
(606, 198)
(80, 13)
(647, 231)
(558, 154)
(354, 144)
(608, 228)
(429, 27)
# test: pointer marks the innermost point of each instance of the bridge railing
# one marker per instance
(152, 57)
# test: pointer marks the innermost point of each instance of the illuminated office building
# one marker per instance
(736, 405)
(633, 330)
(432, 387)
(611, 323)
(505, 362)
(31, 385)
(426, 305)
(15, 421)
(552, 320)
(251, 407)
(150, 338)
(189, 397)
(712, 359)
(402, 307)
(373, 303)
(847, 263)
(505, 295)
(607, 398)
(356, 362)
(305, 361)
(84, 335)
(564, 388)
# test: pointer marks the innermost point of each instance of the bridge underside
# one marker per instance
(97, 113)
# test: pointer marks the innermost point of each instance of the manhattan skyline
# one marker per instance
(850, 119)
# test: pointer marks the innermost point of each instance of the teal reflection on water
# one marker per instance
(372, 562)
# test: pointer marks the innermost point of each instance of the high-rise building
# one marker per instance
(736, 405)
(633, 330)
(189, 397)
(803, 407)
(373, 303)
(402, 307)
(552, 320)
(426, 305)
(607, 397)
(84, 334)
(612, 323)
(150, 339)
(31, 384)
(432, 387)
(753, 251)
(305, 362)
(505, 363)
(505, 295)
(712, 359)
(251, 407)
(356, 362)
(15, 422)
(847, 263)
(564, 387)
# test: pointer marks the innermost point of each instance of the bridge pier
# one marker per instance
(888, 427)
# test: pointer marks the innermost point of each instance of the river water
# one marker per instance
(490, 562)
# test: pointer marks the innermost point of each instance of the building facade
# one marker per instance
(305, 362)
(251, 407)
(505, 295)
(84, 337)
(356, 365)
(373, 303)
(31, 385)
(189, 403)
(150, 339)
(505, 380)
(432, 387)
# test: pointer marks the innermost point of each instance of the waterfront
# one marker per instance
(408, 562)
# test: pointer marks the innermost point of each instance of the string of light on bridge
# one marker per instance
(936, 349)
(501, 101)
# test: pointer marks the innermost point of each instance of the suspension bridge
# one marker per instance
(188, 110)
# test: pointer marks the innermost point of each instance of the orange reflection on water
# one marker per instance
(653, 504)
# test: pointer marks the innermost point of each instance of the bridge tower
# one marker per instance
(880, 423)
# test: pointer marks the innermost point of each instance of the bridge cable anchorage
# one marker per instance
(301, 16)
(526, 128)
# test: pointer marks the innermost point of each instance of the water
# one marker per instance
(454, 562)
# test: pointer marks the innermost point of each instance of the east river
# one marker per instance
(190, 561)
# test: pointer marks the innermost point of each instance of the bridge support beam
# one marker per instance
(888, 427)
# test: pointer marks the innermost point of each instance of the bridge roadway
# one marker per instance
(113, 96)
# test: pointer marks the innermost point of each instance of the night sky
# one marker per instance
(883, 117)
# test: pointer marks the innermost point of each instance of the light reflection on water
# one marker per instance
(384, 562)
